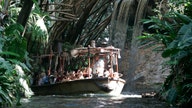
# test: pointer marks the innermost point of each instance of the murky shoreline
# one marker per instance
(92, 101)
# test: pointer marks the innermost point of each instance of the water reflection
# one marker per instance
(92, 101)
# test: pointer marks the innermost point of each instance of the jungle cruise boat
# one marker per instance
(97, 73)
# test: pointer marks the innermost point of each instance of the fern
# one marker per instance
(174, 32)
(13, 54)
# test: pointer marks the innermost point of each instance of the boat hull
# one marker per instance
(96, 85)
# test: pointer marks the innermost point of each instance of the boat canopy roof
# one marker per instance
(82, 51)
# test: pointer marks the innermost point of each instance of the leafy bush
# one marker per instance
(13, 56)
(173, 31)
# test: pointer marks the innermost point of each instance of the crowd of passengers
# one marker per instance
(97, 69)
(86, 73)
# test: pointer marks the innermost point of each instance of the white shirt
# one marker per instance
(99, 67)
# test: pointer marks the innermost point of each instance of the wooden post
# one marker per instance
(50, 62)
(89, 64)
(117, 69)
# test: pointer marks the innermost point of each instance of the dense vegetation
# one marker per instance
(14, 60)
(28, 25)
(24, 29)
(172, 31)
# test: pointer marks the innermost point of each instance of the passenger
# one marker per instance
(59, 78)
(106, 73)
(80, 74)
(55, 77)
(65, 78)
(98, 67)
(68, 76)
(43, 79)
(46, 79)
(51, 79)
(40, 81)
(115, 75)
(85, 74)
(111, 72)
(89, 71)
(71, 75)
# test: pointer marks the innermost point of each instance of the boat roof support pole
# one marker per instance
(116, 57)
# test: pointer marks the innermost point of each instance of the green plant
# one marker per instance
(173, 32)
(13, 68)
(37, 30)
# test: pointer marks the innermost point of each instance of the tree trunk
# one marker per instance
(25, 12)
(73, 34)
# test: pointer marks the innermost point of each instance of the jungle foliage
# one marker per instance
(85, 21)
(70, 22)
(64, 26)
(172, 32)
(77, 22)
(14, 60)
(13, 63)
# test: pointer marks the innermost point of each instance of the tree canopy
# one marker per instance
(31, 28)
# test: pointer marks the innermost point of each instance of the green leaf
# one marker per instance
(18, 48)
(5, 97)
(169, 52)
(9, 53)
(10, 30)
(188, 85)
(23, 65)
(3, 78)
(5, 64)
(172, 94)
(183, 18)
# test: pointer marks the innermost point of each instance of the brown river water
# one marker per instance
(92, 101)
